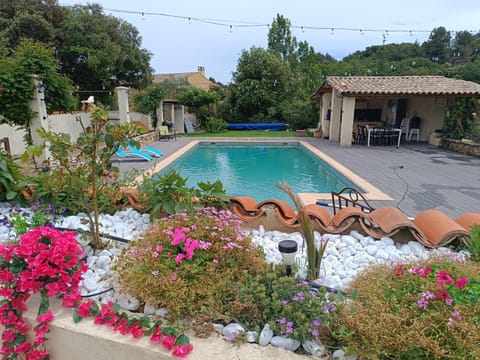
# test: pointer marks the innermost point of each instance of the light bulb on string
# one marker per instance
(143, 16)
(189, 20)
(331, 33)
(230, 30)
(361, 32)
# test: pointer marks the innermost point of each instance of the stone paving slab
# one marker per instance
(418, 176)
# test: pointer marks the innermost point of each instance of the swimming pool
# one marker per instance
(253, 169)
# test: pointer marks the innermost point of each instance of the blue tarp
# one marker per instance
(258, 126)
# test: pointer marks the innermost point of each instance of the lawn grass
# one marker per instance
(243, 133)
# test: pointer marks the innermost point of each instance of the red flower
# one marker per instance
(443, 278)
(156, 336)
(182, 351)
(8, 335)
(169, 342)
(46, 317)
(443, 294)
(399, 271)
(84, 308)
(460, 283)
(70, 300)
(23, 348)
(36, 354)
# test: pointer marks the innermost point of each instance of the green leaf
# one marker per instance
(169, 331)
(109, 141)
(182, 340)
(88, 150)
(76, 317)
(44, 302)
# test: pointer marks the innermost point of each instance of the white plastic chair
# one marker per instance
(404, 125)
(415, 129)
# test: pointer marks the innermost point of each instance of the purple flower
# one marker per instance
(422, 303)
(316, 322)
(315, 332)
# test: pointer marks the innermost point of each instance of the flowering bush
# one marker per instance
(422, 310)
(44, 261)
(187, 263)
(303, 313)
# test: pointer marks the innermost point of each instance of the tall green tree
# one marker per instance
(261, 82)
(280, 39)
(437, 47)
(99, 52)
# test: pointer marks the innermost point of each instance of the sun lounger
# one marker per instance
(147, 149)
(133, 153)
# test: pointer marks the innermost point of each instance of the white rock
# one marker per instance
(266, 336)
(103, 262)
(90, 284)
(231, 330)
(340, 355)
(149, 309)
(285, 343)
(128, 302)
(348, 240)
(382, 254)
(405, 250)
(387, 241)
(313, 348)
(252, 336)
(161, 312)
(218, 328)
(417, 249)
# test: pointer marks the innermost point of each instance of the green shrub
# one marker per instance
(291, 306)
(473, 246)
(10, 178)
(169, 194)
(216, 125)
(422, 310)
(189, 263)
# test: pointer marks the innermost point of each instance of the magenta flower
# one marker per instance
(422, 303)
(443, 278)
(460, 283)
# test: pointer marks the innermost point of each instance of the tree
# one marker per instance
(280, 39)
(437, 47)
(198, 100)
(32, 19)
(99, 52)
(261, 82)
(15, 76)
(148, 101)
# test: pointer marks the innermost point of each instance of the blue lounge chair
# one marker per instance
(147, 149)
(125, 154)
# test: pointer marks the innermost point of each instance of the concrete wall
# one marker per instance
(431, 111)
(60, 123)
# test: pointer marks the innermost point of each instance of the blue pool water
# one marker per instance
(253, 169)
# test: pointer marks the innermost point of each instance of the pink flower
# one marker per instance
(36, 354)
(84, 308)
(442, 294)
(443, 278)
(46, 317)
(182, 351)
(8, 335)
(156, 336)
(22, 348)
(422, 303)
(71, 300)
(159, 248)
(456, 315)
(179, 258)
(399, 271)
(423, 272)
(460, 283)
(169, 342)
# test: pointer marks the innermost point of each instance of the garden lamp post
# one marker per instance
(288, 249)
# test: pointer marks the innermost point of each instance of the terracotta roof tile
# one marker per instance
(399, 85)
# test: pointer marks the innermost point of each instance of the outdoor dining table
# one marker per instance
(376, 129)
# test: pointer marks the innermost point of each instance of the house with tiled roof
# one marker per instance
(350, 101)
(196, 79)
(170, 111)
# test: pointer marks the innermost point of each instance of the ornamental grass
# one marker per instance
(188, 264)
(422, 310)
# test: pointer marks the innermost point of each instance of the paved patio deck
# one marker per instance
(418, 176)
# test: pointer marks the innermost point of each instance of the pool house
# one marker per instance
(347, 102)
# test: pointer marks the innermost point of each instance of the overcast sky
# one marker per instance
(180, 45)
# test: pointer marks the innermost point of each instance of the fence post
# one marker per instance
(123, 110)
(39, 121)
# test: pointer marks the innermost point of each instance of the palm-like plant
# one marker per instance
(314, 253)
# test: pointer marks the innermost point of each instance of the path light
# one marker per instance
(288, 249)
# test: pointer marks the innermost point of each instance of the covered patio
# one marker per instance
(349, 102)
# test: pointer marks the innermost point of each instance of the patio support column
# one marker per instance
(348, 108)
(325, 102)
(336, 116)
(123, 110)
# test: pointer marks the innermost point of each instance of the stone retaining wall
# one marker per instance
(461, 147)
(147, 138)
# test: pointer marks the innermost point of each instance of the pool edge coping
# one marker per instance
(372, 193)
